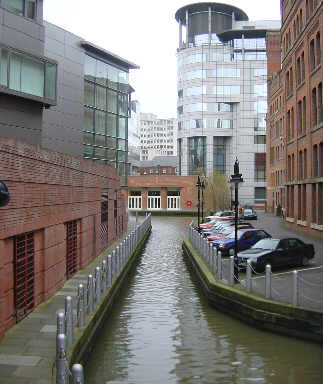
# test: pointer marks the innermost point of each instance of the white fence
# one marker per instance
(301, 288)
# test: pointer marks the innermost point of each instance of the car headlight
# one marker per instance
(223, 245)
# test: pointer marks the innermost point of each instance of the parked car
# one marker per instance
(248, 214)
(221, 216)
(276, 252)
(227, 231)
(217, 227)
(246, 238)
(209, 224)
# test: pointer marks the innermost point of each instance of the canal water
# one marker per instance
(162, 330)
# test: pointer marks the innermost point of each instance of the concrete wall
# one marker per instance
(43, 204)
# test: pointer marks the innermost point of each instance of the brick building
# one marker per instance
(295, 119)
(161, 193)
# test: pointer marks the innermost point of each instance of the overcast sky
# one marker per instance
(144, 32)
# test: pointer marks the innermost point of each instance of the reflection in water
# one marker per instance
(162, 330)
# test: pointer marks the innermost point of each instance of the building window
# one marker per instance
(260, 167)
(27, 8)
(318, 48)
(314, 107)
(260, 139)
(312, 55)
(27, 74)
(260, 194)
(196, 154)
(219, 151)
(315, 161)
(106, 109)
(320, 105)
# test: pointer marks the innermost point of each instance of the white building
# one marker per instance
(222, 94)
(158, 137)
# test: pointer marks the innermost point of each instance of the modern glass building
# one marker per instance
(222, 94)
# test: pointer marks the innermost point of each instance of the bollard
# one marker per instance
(295, 289)
(61, 360)
(77, 374)
(90, 301)
(268, 282)
(219, 265)
(249, 274)
(118, 259)
(104, 276)
(80, 306)
(69, 320)
(231, 271)
(109, 272)
(97, 284)
(60, 317)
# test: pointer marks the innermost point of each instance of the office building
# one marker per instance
(222, 94)
(157, 136)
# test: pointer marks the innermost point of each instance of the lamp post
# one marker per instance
(198, 184)
(4, 194)
(202, 189)
(236, 179)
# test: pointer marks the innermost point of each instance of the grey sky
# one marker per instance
(144, 32)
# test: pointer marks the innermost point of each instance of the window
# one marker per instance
(219, 152)
(314, 107)
(260, 194)
(318, 48)
(260, 139)
(197, 154)
(312, 55)
(28, 74)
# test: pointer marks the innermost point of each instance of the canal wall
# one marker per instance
(252, 309)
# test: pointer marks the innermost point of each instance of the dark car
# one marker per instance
(248, 214)
(246, 238)
(276, 252)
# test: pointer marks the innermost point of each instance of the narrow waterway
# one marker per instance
(162, 330)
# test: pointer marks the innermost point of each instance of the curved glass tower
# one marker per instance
(222, 94)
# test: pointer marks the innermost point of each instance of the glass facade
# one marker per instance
(196, 154)
(27, 74)
(106, 106)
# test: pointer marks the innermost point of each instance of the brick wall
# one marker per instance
(48, 189)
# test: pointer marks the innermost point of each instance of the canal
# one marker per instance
(162, 330)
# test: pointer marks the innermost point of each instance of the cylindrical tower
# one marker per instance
(222, 96)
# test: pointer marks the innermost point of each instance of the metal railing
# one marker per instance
(97, 286)
(301, 288)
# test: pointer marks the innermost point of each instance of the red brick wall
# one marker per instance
(48, 189)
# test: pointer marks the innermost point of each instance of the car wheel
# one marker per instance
(305, 261)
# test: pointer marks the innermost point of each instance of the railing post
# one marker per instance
(90, 301)
(215, 259)
(113, 261)
(249, 274)
(109, 268)
(61, 360)
(97, 284)
(295, 289)
(60, 320)
(104, 276)
(77, 374)
(80, 306)
(219, 265)
(69, 320)
(118, 259)
(231, 271)
(268, 281)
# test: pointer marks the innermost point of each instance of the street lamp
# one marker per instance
(202, 188)
(4, 194)
(236, 179)
(199, 185)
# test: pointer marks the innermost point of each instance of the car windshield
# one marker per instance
(266, 244)
(248, 211)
